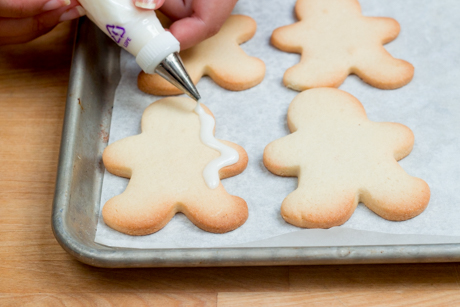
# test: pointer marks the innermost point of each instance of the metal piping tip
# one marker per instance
(173, 70)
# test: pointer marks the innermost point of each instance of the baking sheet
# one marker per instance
(429, 105)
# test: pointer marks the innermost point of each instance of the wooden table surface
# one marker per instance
(35, 270)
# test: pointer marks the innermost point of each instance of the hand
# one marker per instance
(23, 20)
(194, 20)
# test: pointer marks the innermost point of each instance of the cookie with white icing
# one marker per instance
(335, 40)
(165, 164)
(219, 57)
(342, 158)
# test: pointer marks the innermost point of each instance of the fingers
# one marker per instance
(178, 9)
(20, 30)
(29, 8)
(149, 4)
(196, 20)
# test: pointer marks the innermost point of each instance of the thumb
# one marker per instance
(29, 8)
(149, 4)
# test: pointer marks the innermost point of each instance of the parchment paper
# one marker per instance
(429, 105)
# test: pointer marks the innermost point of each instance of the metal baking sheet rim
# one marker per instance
(75, 236)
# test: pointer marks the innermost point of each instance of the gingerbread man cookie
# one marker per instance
(165, 164)
(219, 57)
(335, 40)
(341, 158)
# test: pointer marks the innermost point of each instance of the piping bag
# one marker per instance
(140, 33)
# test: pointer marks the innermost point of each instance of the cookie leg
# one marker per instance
(137, 213)
(319, 207)
(382, 70)
(398, 197)
(154, 84)
(217, 212)
(315, 73)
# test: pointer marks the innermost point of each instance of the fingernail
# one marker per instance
(146, 4)
(55, 4)
(73, 13)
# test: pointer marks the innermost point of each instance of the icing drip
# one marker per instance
(228, 155)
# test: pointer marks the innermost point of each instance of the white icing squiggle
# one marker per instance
(228, 155)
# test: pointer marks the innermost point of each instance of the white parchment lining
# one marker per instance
(429, 105)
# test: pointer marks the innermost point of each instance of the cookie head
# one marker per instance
(306, 8)
(320, 105)
(184, 123)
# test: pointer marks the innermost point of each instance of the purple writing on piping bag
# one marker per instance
(127, 42)
(116, 32)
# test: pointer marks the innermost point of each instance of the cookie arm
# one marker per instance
(239, 71)
(385, 28)
(240, 28)
(279, 159)
(285, 39)
(116, 157)
(396, 138)
(238, 167)
(313, 73)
